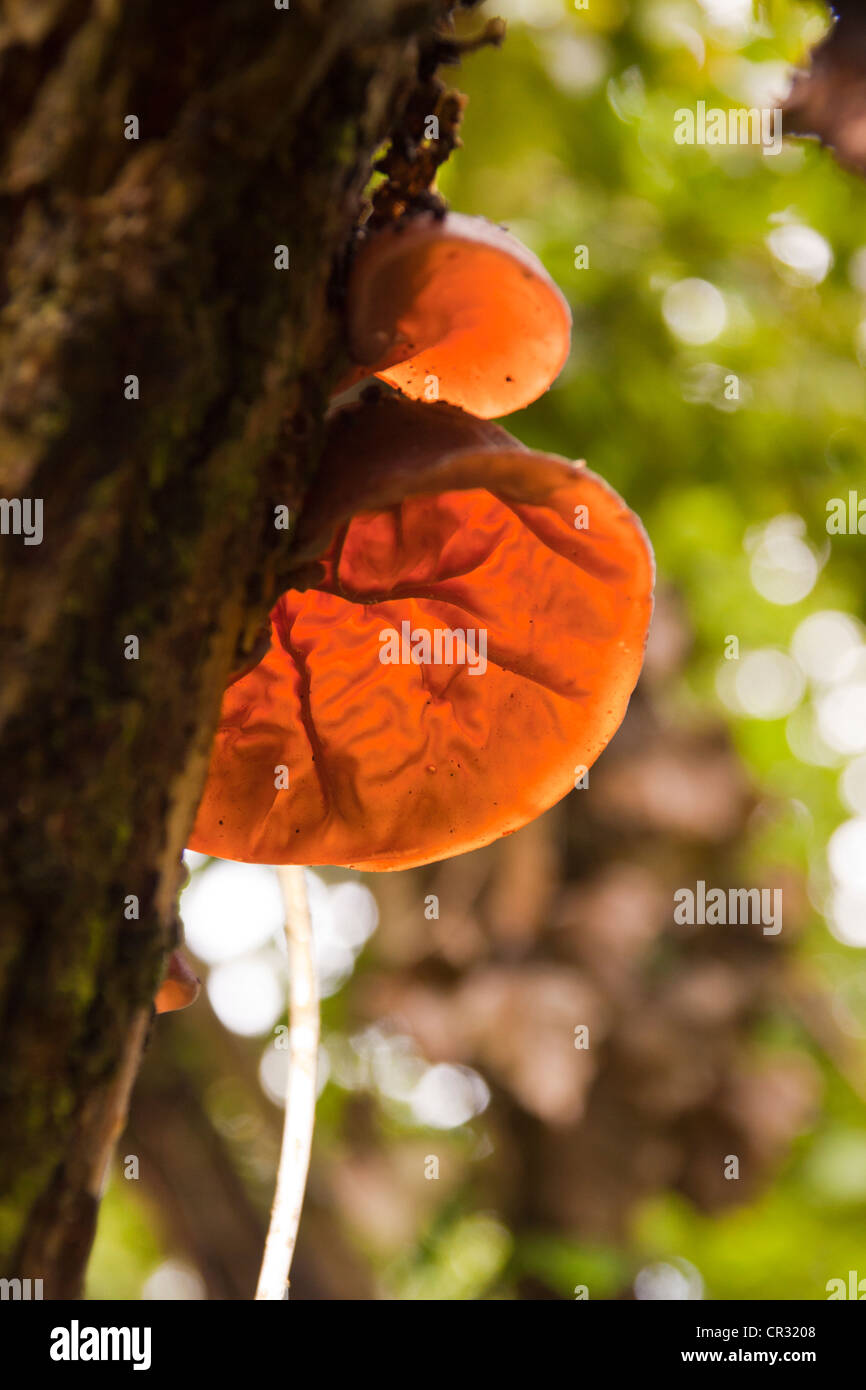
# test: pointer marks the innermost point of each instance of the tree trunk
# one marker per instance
(150, 258)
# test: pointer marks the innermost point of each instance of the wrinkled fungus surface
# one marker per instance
(424, 516)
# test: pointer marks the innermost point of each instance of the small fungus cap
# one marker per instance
(457, 309)
(469, 648)
(179, 988)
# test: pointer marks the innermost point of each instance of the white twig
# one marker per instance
(300, 1089)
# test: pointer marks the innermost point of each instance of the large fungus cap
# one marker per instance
(456, 309)
(429, 525)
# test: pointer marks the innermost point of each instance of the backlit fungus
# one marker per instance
(454, 308)
(180, 986)
(469, 648)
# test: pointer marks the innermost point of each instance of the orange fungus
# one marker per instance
(456, 309)
(180, 986)
(468, 650)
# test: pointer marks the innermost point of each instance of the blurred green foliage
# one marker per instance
(569, 142)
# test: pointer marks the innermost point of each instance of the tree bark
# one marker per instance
(154, 258)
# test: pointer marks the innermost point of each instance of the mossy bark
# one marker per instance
(155, 258)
